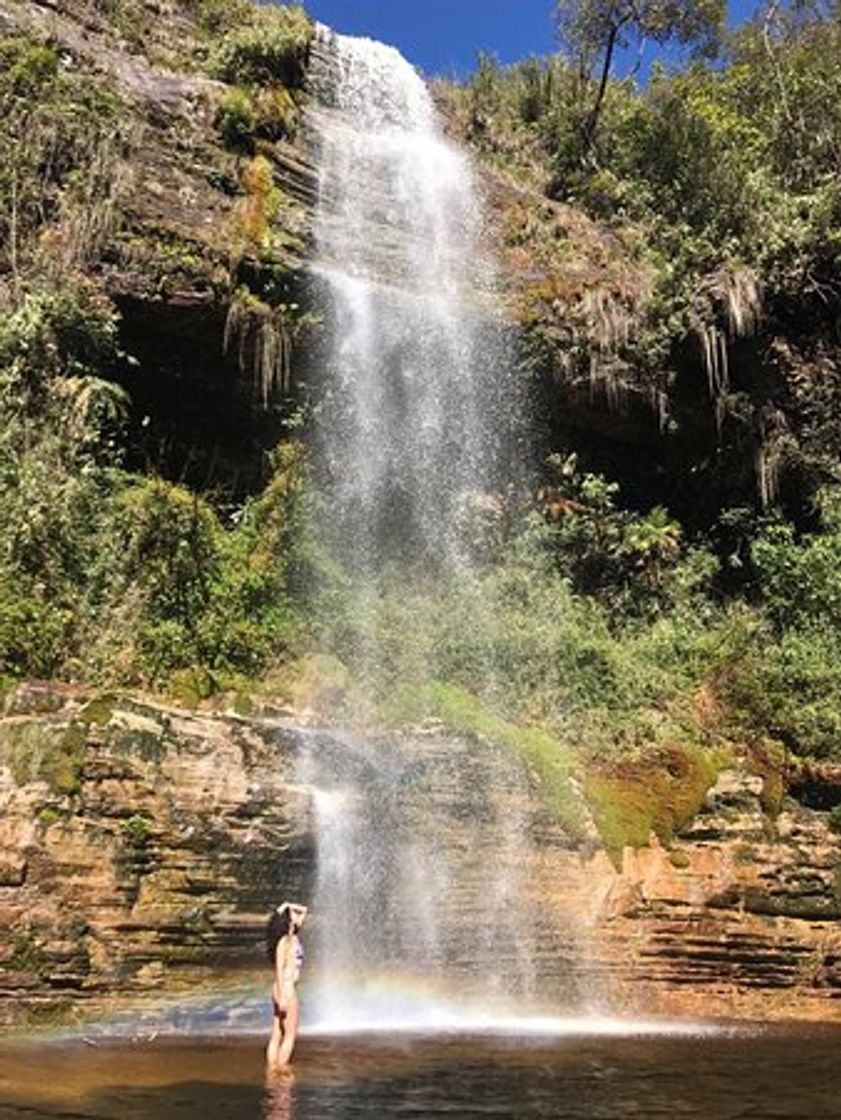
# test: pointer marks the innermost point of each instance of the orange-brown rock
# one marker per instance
(142, 845)
(145, 852)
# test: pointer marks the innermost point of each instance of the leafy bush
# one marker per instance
(789, 687)
(271, 49)
(236, 121)
(218, 16)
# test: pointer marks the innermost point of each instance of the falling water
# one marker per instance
(419, 406)
(420, 877)
(426, 903)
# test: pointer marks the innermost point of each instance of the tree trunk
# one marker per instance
(589, 131)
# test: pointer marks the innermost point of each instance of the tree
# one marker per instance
(593, 30)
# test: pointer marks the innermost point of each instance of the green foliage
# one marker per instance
(138, 830)
(789, 686)
(835, 819)
(58, 423)
(630, 560)
(787, 681)
(723, 173)
(200, 602)
(68, 131)
(236, 121)
(586, 26)
(271, 48)
(217, 16)
(128, 578)
(526, 644)
(799, 578)
(593, 30)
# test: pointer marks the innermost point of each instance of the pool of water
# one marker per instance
(766, 1074)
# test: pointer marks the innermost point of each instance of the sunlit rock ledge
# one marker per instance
(141, 846)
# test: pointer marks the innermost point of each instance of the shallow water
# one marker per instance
(774, 1074)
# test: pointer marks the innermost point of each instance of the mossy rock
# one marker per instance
(40, 751)
(191, 687)
(658, 794)
(99, 710)
(549, 760)
(133, 732)
(768, 759)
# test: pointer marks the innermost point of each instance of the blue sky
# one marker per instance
(444, 36)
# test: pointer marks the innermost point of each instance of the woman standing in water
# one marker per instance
(287, 955)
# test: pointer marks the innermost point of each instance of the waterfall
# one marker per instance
(416, 418)
(424, 902)
(422, 847)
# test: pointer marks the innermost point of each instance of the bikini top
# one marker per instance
(298, 950)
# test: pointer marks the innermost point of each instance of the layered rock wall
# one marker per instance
(141, 847)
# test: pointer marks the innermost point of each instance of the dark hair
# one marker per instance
(278, 927)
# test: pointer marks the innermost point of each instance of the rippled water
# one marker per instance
(778, 1074)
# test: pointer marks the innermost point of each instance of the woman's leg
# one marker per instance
(273, 1048)
(290, 1033)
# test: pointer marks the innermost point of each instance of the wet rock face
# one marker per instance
(148, 854)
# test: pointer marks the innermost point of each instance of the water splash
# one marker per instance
(424, 880)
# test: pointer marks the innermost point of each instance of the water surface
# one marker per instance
(776, 1074)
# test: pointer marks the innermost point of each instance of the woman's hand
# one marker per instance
(297, 911)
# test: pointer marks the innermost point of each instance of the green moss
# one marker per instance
(48, 816)
(768, 760)
(36, 751)
(680, 859)
(98, 711)
(62, 768)
(189, 687)
(243, 704)
(552, 763)
(658, 793)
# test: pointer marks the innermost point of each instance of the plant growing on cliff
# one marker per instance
(271, 48)
(69, 135)
(59, 422)
(236, 121)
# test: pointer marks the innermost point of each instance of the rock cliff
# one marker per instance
(176, 248)
(141, 847)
